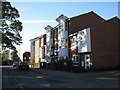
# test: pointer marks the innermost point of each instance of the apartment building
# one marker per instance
(80, 39)
(55, 43)
(88, 40)
(62, 37)
(40, 44)
(42, 48)
(95, 46)
(37, 50)
(32, 50)
(49, 43)
(57, 40)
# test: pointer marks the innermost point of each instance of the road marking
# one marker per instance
(39, 77)
(20, 84)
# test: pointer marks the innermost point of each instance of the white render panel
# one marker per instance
(40, 52)
(62, 37)
(49, 40)
(86, 45)
(88, 40)
(65, 34)
(48, 37)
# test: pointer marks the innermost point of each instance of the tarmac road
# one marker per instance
(45, 78)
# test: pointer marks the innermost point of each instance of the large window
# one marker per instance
(81, 36)
(74, 41)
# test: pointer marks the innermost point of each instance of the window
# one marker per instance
(62, 43)
(87, 57)
(82, 42)
(74, 41)
(66, 43)
(52, 47)
(55, 34)
(59, 46)
(59, 32)
(62, 58)
(60, 25)
(81, 37)
(66, 25)
(56, 46)
(47, 49)
(51, 35)
(82, 33)
(76, 60)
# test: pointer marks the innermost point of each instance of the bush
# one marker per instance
(65, 65)
(8, 62)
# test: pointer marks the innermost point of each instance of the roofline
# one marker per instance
(87, 13)
(40, 36)
(105, 21)
(113, 18)
(33, 39)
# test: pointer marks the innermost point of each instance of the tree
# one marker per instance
(10, 26)
(14, 55)
(5, 55)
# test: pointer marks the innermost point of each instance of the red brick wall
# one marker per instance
(104, 43)
(86, 20)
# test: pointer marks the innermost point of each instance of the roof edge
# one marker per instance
(88, 13)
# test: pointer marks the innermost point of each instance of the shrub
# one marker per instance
(65, 65)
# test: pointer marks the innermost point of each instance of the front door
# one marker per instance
(87, 61)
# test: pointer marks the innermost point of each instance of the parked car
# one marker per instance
(15, 65)
(23, 66)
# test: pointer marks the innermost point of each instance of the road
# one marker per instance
(58, 79)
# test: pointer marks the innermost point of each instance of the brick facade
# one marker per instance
(91, 42)
(104, 44)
